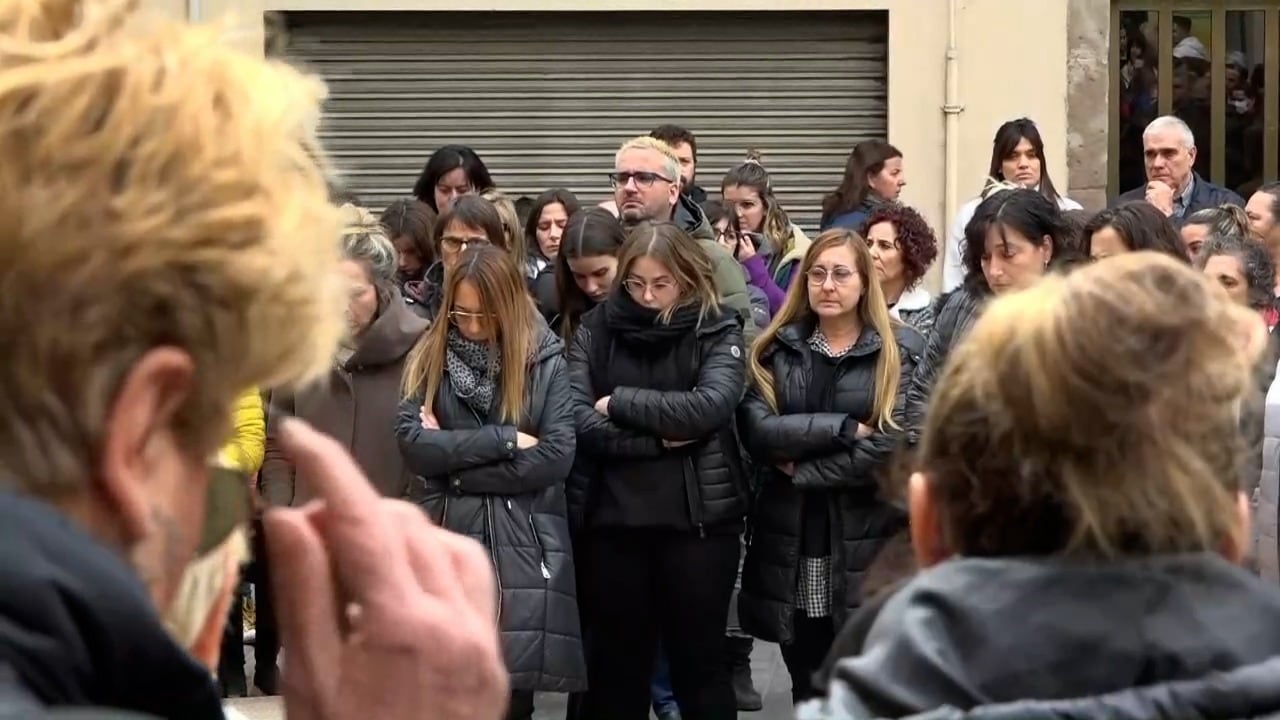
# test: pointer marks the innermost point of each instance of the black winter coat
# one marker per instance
(473, 480)
(954, 314)
(629, 441)
(826, 458)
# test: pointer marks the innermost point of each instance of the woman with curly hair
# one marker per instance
(903, 246)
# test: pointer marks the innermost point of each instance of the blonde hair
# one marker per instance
(1081, 417)
(513, 319)
(872, 310)
(365, 242)
(670, 161)
(510, 224)
(159, 189)
(688, 262)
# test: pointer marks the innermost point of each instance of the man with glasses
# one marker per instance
(646, 187)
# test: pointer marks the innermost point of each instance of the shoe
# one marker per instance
(739, 661)
(267, 680)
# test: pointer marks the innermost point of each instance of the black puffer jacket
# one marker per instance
(627, 445)
(825, 458)
(474, 481)
(954, 314)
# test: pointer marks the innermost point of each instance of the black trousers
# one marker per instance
(642, 585)
(521, 707)
(804, 656)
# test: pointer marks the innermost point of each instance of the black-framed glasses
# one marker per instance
(642, 179)
(840, 275)
(457, 242)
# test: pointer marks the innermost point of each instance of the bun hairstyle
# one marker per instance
(1081, 418)
(754, 156)
(751, 174)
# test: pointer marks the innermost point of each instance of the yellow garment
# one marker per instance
(248, 445)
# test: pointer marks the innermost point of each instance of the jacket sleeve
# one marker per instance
(276, 479)
(440, 452)
(941, 336)
(248, 442)
(690, 414)
(731, 284)
(859, 465)
(542, 465)
(597, 434)
(772, 438)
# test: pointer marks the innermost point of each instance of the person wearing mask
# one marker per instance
(410, 224)
(873, 175)
(1048, 438)
(646, 187)
(748, 194)
(485, 427)
(469, 222)
(1129, 228)
(1220, 221)
(121, 528)
(902, 247)
(586, 267)
(685, 146)
(452, 171)
(1173, 187)
(543, 232)
(1015, 238)
(1017, 157)
(828, 390)
(658, 496)
(243, 453)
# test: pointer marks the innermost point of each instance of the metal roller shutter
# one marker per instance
(546, 98)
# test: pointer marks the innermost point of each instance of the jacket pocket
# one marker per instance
(533, 530)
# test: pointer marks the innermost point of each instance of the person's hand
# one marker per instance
(524, 441)
(602, 405)
(864, 431)
(382, 614)
(1160, 195)
(676, 443)
(787, 468)
(746, 248)
(429, 421)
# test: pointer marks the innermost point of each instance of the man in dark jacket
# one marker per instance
(1169, 149)
(685, 146)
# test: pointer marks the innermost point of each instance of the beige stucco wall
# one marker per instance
(1012, 57)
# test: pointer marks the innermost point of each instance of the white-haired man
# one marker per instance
(1173, 187)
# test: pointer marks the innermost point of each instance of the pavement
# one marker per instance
(767, 670)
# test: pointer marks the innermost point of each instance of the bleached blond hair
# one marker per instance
(158, 189)
(670, 161)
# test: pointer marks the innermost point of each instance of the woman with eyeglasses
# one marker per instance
(656, 373)
(825, 408)
(471, 221)
(486, 428)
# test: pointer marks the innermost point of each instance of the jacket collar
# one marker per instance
(917, 298)
(390, 337)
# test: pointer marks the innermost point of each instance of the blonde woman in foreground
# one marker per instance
(197, 256)
(1079, 512)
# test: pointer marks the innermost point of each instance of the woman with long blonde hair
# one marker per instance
(657, 492)
(828, 383)
(1078, 510)
(486, 428)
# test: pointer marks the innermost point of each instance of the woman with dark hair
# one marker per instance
(902, 247)
(656, 374)
(470, 221)
(770, 247)
(452, 172)
(1014, 239)
(410, 224)
(763, 293)
(872, 175)
(1017, 156)
(1224, 220)
(543, 231)
(1129, 227)
(486, 429)
(586, 266)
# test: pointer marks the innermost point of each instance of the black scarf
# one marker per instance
(634, 324)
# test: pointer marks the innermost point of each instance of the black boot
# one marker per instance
(739, 661)
(231, 680)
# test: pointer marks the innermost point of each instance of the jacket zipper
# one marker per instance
(695, 496)
(542, 552)
(493, 553)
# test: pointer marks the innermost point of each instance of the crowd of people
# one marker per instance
(518, 445)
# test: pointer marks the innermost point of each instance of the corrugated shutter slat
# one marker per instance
(546, 98)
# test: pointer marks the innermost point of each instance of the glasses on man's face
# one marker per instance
(840, 275)
(636, 286)
(454, 243)
(642, 179)
(462, 317)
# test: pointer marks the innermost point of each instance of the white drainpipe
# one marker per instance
(952, 110)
